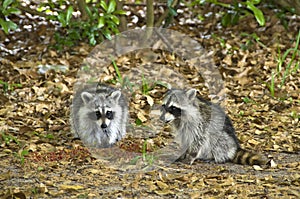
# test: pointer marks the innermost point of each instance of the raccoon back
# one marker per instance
(249, 158)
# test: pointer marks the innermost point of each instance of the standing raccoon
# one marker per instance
(203, 129)
(99, 115)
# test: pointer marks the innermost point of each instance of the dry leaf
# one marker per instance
(162, 185)
(71, 187)
(257, 168)
(150, 100)
(141, 116)
(273, 164)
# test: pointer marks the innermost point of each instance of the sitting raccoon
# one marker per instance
(99, 115)
(204, 130)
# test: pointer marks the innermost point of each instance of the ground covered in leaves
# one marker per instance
(40, 158)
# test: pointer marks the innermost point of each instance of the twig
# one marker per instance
(143, 4)
(31, 11)
(165, 40)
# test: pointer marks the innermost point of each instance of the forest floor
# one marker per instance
(41, 159)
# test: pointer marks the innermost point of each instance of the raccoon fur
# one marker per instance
(99, 115)
(204, 131)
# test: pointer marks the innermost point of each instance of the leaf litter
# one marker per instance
(40, 158)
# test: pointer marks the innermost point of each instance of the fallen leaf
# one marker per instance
(150, 100)
(257, 168)
(273, 164)
(162, 185)
(141, 116)
(71, 187)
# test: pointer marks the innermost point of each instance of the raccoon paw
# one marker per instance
(181, 158)
(186, 159)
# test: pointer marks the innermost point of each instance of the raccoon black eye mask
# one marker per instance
(172, 109)
(96, 115)
(203, 129)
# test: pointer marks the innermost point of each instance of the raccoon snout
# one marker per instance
(167, 121)
(103, 126)
(167, 117)
(164, 119)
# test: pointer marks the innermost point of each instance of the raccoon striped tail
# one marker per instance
(248, 158)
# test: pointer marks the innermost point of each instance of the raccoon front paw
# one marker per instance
(186, 159)
(181, 158)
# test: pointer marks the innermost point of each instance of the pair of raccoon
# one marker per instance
(203, 129)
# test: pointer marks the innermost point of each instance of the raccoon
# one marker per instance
(99, 115)
(204, 131)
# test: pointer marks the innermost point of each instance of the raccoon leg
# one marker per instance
(182, 157)
(187, 158)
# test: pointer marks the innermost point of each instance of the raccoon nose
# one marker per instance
(103, 125)
(162, 118)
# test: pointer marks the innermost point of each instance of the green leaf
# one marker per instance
(115, 19)
(120, 12)
(92, 39)
(24, 152)
(111, 7)
(12, 11)
(106, 34)
(138, 122)
(255, 2)
(89, 12)
(40, 168)
(69, 14)
(4, 26)
(103, 5)
(40, 9)
(225, 5)
(134, 160)
(49, 136)
(7, 25)
(61, 19)
(169, 3)
(111, 25)
(257, 13)
(6, 3)
(226, 19)
(12, 25)
(101, 22)
(235, 18)
(172, 11)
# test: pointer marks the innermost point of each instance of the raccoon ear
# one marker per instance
(86, 97)
(191, 94)
(116, 95)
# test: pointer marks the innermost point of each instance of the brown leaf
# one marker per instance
(70, 187)
(141, 116)
(162, 185)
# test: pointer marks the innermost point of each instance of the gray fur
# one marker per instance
(96, 130)
(203, 129)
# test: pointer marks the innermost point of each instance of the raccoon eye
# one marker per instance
(98, 115)
(175, 111)
(109, 115)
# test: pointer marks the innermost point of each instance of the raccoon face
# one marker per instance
(175, 104)
(101, 107)
(169, 113)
